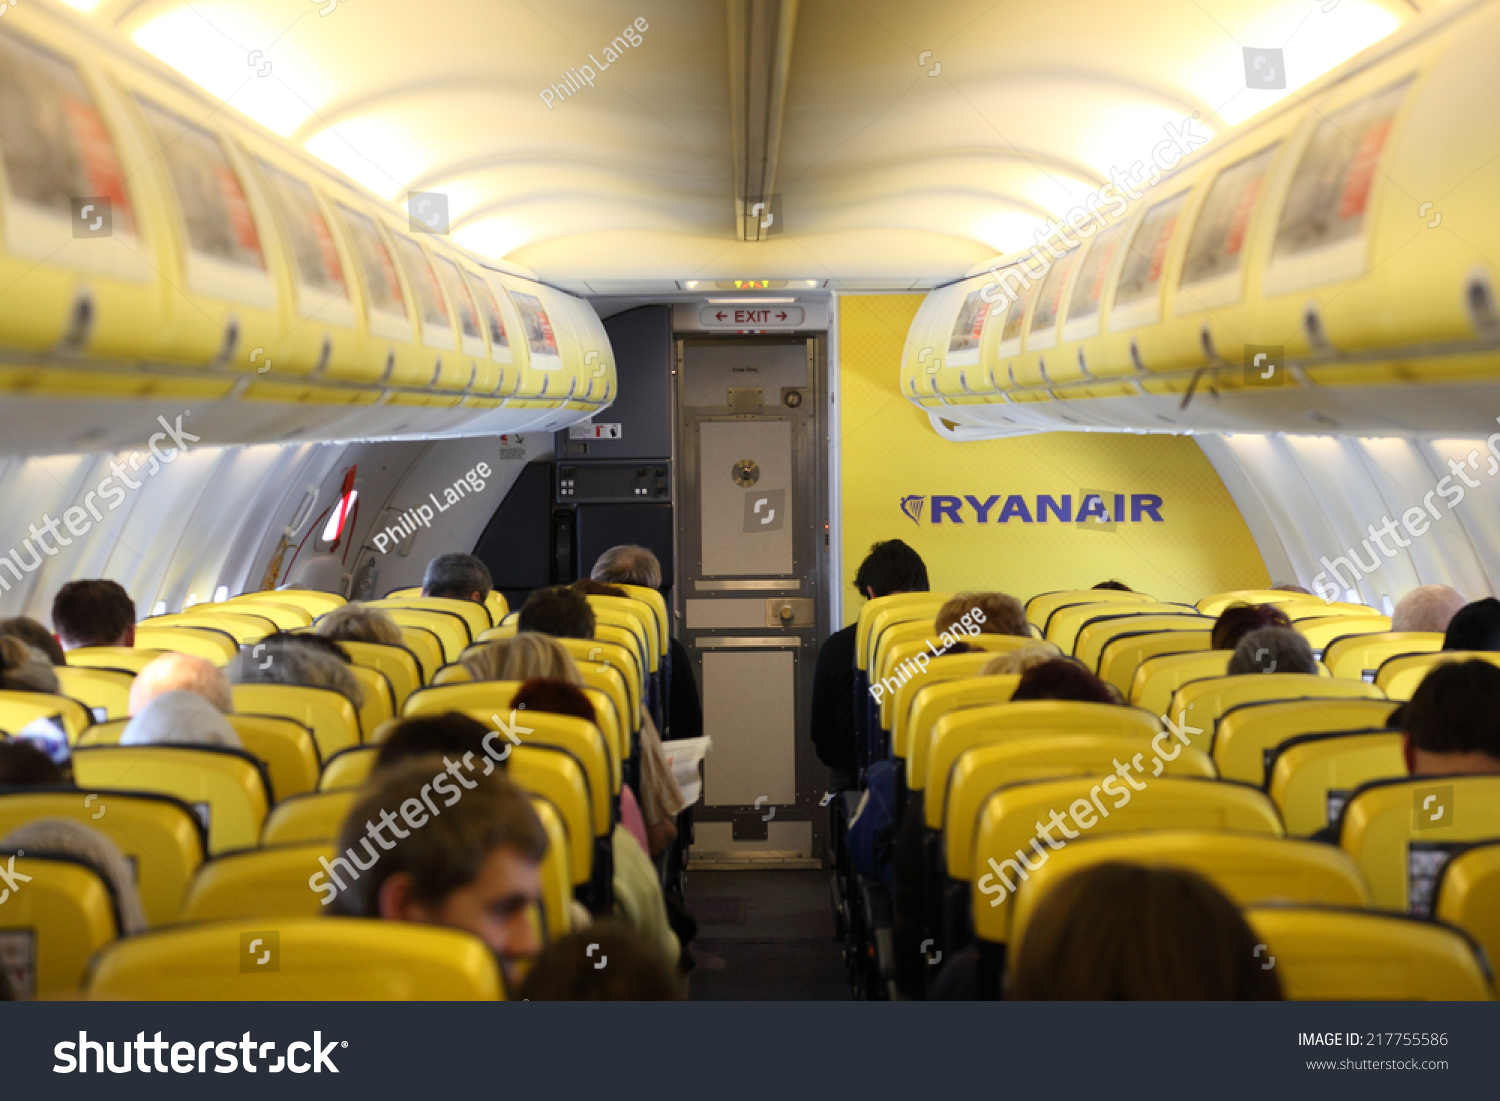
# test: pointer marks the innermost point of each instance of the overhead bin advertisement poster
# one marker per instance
(499, 340)
(538, 327)
(317, 260)
(1140, 275)
(1089, 287)
(1219, 235)
(52, 141)
(968, 328)
(381, 284)
(424, 281)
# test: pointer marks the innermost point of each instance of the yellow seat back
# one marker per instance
(475, 616)
(1312, 775)
(1402, 832)
(1468, 895)
(1401, 675)
(311, 601)
(55, 921)
(894, 608)
(226, 787)
(258, 883)
(1303, 611)
(1339, 955)
(1322, 630)
(315, 817)
(1215, 605)
(1099, 631)
(112, 657)
(943, 670)
(1158, 677)
(328, 714)
(1206, 701)
(242, 625)
(1355, 655)
(557, 880)
(982, 770)
(495, 604)
(1247, 735)
(1250, 868)
(94, 687)
(1064, 624)
(349, 768)
(287, 748)
(160, 835)
(934, 701)
(907, 661)
(19, 708)
(658, 605)
(1039, 608)
(451, 630)
(379, 702)
(399, 665)
(1123, 654)
(632, 616)
(556, 777)
(217, 646)
(426, 647)
(611, 668)
(314, 959)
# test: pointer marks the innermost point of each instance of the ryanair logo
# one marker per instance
(1087, 508)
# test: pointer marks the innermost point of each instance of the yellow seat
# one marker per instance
(1468, 895)
(507, 629)
(1100, 630)
(1341, 955)
(1357, 655)
(634, 616)
(1311, 776)
(943, 670)
(979, 772)
(1251, 868)
(379, 702)
(1322, 630)
(19, 708)
(449, 629)
(494, 601)
(1401, 832)
(1157, 678)
(315, 959)
(399, 665)
(607, 665)
(934, 701)
(658, 605)
(310, 601)
(112, 657)
(243, 626)
(54, 921)
(1215, 605)
(204, 642)
(94, 687)
(1123, 654)
(557, 880)
(475, 616)
(425, 647)
(160, 835)
(887, 611)
(328, 714)
(1039, 608)
(316, 817)
(903, 662)
(1009, 817)
(1064, 624)
(258, 883)
(1302, 612)
(1401, 675)
(349, 769)
(1247, 735)
(556, 777)
(287, 748)
(226, 787)
(1204, 702)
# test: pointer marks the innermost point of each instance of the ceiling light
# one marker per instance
(751, 301)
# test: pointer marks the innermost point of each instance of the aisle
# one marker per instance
(764, 935)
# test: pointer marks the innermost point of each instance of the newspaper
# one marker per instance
(684, 756)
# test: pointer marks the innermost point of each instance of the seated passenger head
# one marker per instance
(628, 564)
(463, 850)
(458, 577)
(310, 661)
(991, 613)
(1117, 586)
(1063, 679)
(1124, 932)
(23, 765)
(1022, 659)
(93, 612)
(452, 735)
(521, 657)
(587, 586)
(1237, 620)
(1427, 608)
(559, 612)
(357, 622)
(556, 697)
(24, 669)
(179, 717)
(1475, 626)
(1288, 587)
(36, 636)
(891, 567)
(568, 969)
(1452, 722)
(180, 673)
(73, 840)
(1273, 650)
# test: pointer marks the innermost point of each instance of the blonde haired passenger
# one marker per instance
(522, 657)
(1022, 659)
(358, 622)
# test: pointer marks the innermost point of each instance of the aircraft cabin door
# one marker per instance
(751, 587)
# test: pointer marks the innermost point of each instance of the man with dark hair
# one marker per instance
(467, 859)
(570, 971)
(1272, 650)
(1452, 722)
(559, 612)
(93, 612)
(1238, 620)
(36, 636)
(23, 765)
(458, 577)
(1475, 626)
(452, 734)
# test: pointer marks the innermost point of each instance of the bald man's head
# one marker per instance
(180, 673)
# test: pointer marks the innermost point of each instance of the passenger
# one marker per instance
(890, 567)
(639, 902)
(470, 863)
(1238, 619)
(1117, 586)
(73, 840)
(358, 622)
(559, 612)
(93, 612)
(310, 661)
(1003, 614)
(1064, 679)
(1273, 650)
(23, 765)
(180, 717)
(451, 734)
(1451, 723)
(1475, 626)
(24, 668)
(1019, 661)
(524, 655)
(457, 577)
(1427, 608)
(1287, 587)
(34, 635)
(569, 969)
(629, 564)
(1124, 932)
(180, 673)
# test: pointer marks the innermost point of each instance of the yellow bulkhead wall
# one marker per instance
(889, 454)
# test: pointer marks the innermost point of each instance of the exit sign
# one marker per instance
(750, 317)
